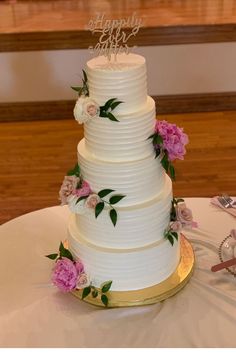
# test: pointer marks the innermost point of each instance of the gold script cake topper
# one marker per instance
(113, 34)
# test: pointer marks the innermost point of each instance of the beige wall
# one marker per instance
(176, 69)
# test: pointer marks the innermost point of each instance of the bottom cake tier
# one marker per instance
(156, 293)
(129, 269)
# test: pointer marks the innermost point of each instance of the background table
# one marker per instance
(35, 314)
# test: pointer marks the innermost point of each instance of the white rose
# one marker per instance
(85, 109)
(77, 208)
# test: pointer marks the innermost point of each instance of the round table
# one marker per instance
(33, 313)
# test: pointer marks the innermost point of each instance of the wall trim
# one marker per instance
(166, 104)
(148, 36)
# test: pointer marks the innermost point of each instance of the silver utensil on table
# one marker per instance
(225, 202)
(229, 199)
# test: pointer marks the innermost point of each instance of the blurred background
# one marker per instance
(190, 49)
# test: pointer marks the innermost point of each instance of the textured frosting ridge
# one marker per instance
(124, 79)
(129, 269)
(136, 227)
(139, 180)
(124, 140)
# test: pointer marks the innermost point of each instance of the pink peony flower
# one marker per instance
(67, 188)
(84, 190)
(184, 215)
(79, 266)
(92, 201)
(174, 139)
(82, 281)
(176, 226)
(64, 275)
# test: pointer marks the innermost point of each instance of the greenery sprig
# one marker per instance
(101, 292)
(82, 90)
(170, 234)
(63, 252)
(112, 200)
(157, 141)
(109, 106)
(75, 171)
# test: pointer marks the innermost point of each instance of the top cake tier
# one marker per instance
(124, 79)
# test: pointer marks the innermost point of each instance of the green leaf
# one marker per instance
(170, 238)
(172, 172)
(52, 256)
(99, 208)
(94, 293)
(165, 162)
(106, 286)
(65, 252)
(175, 235)
(113, 216)
(112, 117)
(108, 103)
(115, 104)
(116, 198)
(81, 198)
(86, 292)
(75, 171)
(173, 211)
(157, 153)
(103, 113)
(104, 299)
(151, 136)
(105, 192)
(76, 88)
(157, 139)
(85, 76)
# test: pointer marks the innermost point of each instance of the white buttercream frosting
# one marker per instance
(136, 226)
(138, 180)
(123, 140)
(129, 269)
(124, 80)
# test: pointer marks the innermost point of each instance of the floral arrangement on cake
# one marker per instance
(78, 195)
(169, 143)
(86, 108)
(180, 217)
(69, 275)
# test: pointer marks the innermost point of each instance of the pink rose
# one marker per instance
(67, 188)
(184, 215)
(64, 275)
(176, 226)
(82, 281)
(92, 201)
(79, 266)
(92, 110)
(84, 190)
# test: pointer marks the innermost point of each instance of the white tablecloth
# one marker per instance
(35, 314)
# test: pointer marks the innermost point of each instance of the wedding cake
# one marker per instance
(133, 254)
(123, 231)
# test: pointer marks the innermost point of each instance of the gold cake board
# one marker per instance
(155, 293)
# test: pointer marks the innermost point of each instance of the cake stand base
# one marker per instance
(155, 293)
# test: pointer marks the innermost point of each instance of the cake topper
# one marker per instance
(114, 34)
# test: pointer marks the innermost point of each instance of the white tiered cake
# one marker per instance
(118, 155)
